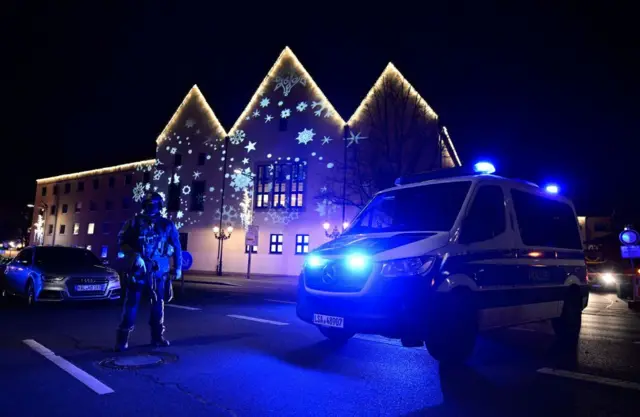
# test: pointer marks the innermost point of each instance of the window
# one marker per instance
(126, 202)
(67, 188)
(104, 251)
(545, 222)
(283, 124)
(55, 189)
(112, 182)
(128, 179)
(93, 206)
(90, 228)
(106, 228)
(263, 185)
(302, 244)
(197, 196)
(65, 208)
(184, 240)
(108, 205)
(52, 210)
(96, 183)
(202, 158)
(44, 191)
(78, 206)
(254, 249)
(297, 185)
(50, 232)
(80, 186)
(146, 177)
(487, 217)
(276, 243)
(177, 160)
(62, 229)
(280, 185)
(173, 203)
(76, 228)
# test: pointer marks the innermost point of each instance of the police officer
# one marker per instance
(148, 241)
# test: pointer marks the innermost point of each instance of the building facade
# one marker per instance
(280, 167)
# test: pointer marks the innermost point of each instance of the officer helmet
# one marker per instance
(152, 199)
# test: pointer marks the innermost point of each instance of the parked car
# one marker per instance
(607, 276)
(56, 273)
(3, 288)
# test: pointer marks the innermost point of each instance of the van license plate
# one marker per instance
(328, 321)
(88, 287)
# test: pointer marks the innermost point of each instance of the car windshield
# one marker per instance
(432, 207)
(65, 256)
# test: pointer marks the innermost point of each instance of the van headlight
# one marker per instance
(114, 278)
(52, 278)
(407, 267)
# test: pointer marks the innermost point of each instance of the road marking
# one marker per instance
(591, 378)
(88, 380)
(277, 323)
(280, 301)
(183, 307)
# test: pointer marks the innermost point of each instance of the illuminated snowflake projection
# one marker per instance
(264, 102)
(161, 194)
(144, 167)
(245, 161)
(190, 123)
(196, 174)
(330, 165)
(282, 216)
(305, 136)
(285, 113)
(268, 118)
(326, 140)
(173, 151)
(354, 138)
(186, 190)
(179, 225)
(158, 174)
(176, 179)
(288, 82)
(280, 103)
(229, 215)
(251, 146)
(256, 113)
(179, 214)
(302, 106)
(138, 192)
(241, 180)
(238, 137)
(147, 186)
(163, 212)
(322, 107)
(326, 207)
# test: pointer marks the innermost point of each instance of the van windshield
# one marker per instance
(424, 208)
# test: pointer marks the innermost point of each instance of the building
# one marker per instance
(280, 167)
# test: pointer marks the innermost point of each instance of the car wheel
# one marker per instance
(30, 293)
(567, 326)
(336, 335)
(452, 328)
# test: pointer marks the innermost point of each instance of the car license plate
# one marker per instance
(328, 321)
(88, 287)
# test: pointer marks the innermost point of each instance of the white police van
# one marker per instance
(444, 255)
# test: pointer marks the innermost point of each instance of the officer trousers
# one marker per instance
(132, 302)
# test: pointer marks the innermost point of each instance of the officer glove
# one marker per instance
(178, 274)
(139, 265)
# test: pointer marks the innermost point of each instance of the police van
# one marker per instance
(447, 254)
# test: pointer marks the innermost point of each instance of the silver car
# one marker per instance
(56, 273)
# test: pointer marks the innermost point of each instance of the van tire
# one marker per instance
(567, 326)
(336, 335)
(452, 328)
(30, 293)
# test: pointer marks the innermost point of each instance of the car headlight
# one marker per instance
(608, 278)
(407, 267)
(114, 278)
(315, 262)
(52, 278)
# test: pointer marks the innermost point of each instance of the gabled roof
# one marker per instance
(194, 94)
(286, 56)
(390, 71)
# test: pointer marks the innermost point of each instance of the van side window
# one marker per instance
(487, 217)
(546, 222)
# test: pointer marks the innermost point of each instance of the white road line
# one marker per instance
(259, 320)
(91, 382)
(590, 378)
(280, 301)
(183, 307)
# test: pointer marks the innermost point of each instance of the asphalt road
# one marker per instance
(239, 350)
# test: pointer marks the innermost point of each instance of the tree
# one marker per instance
(393, 133)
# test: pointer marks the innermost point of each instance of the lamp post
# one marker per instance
(219, 228)
(221, 235)
(335, 232)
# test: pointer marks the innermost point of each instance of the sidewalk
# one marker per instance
(238, 279)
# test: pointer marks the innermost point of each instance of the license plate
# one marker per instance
(89, 288)
(328, 321)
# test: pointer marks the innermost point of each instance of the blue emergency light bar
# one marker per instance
(482, 167)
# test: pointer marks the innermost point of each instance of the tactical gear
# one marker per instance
(151, 199)
(157, 337)
(122, 340)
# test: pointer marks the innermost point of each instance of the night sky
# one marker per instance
(547, 93)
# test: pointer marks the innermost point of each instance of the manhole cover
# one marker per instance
(138, 360)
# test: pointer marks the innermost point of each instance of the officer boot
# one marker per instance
(157, 337)
(122, 340)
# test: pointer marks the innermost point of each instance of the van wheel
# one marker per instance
(336, 335)
(567, 326)
(30, 293)
(452, 328)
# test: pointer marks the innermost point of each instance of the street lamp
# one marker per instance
(333, 234)
(221, 236)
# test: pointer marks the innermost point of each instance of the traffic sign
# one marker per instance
(629, 237)
(630, 251)
(187, 260)
(251, 237)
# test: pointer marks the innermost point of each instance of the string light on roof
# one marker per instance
(108, 170)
